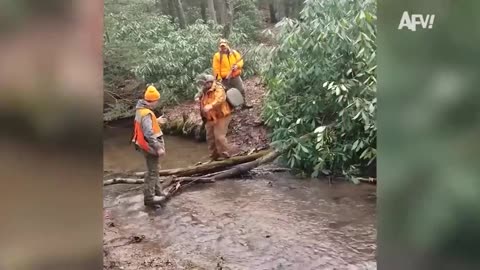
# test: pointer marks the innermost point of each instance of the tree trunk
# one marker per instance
(279, 9)
(203, 10)
(296, 8)
(171, 10)
(229, 19)
(211, 11)
(221, 13)
(181, 14)
(162, 5)
(273, 12)
(287, 8)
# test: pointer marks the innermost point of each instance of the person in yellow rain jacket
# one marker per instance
(148, 139)
(218, 114)
(227, 65)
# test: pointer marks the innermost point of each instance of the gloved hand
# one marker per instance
(161, 152)
(161, 120)
(207, 108)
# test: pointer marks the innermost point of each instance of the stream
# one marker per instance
(273, 221)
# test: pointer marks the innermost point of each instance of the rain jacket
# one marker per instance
(216, 97)
(146, 128)
(222, 63)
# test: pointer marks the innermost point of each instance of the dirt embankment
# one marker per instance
(246, 131)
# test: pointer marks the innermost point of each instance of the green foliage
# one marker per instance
(148, 46)
(246, 18)
(321, 79)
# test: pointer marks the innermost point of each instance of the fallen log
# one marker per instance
(209, 167)
(369, 180)
(235, 171)
(182, 178)
(245, 167)
(114, 181)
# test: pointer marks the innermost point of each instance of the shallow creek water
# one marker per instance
(271, 221)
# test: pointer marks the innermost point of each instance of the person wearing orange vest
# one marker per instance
(148, 139)
(227, 65)
(218, 114)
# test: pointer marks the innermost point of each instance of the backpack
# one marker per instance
(234, 97)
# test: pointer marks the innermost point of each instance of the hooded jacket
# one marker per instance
(222, 63)
(216, 97)
(149, 126)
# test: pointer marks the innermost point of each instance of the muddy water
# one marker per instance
(120, 155)
(267, 222)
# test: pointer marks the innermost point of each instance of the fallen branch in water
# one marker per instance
(182, 178)
(114, 181)
(209, 167)
(369, 180)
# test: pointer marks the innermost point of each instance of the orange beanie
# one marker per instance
(151, 94)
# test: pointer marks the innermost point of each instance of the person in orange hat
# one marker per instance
(227, 65)
(148, 139)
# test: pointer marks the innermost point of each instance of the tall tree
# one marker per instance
(221, 12)
(203, 10)
(273, 11)
(164, 7)
(229, 19)
(171, 10)
(180, 13)
(211, 10)
(287, 8)
(280, 9)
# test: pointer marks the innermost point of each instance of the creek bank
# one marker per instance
(246, 130)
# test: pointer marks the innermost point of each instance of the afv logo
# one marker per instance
(412, 21)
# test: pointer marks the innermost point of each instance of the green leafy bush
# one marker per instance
(321, 79)
(246, 18)
(155, 50)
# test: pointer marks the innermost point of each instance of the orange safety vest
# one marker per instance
(138, 136)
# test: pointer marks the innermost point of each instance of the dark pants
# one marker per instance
(152, 185)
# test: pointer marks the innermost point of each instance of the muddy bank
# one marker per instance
(246, 130)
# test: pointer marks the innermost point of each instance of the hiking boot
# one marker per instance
(155, 201)
(224, 156)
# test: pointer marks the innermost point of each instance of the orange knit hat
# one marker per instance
(151, 94)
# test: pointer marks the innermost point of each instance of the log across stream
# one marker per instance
(179, 179)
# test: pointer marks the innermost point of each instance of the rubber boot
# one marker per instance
(155, 201)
